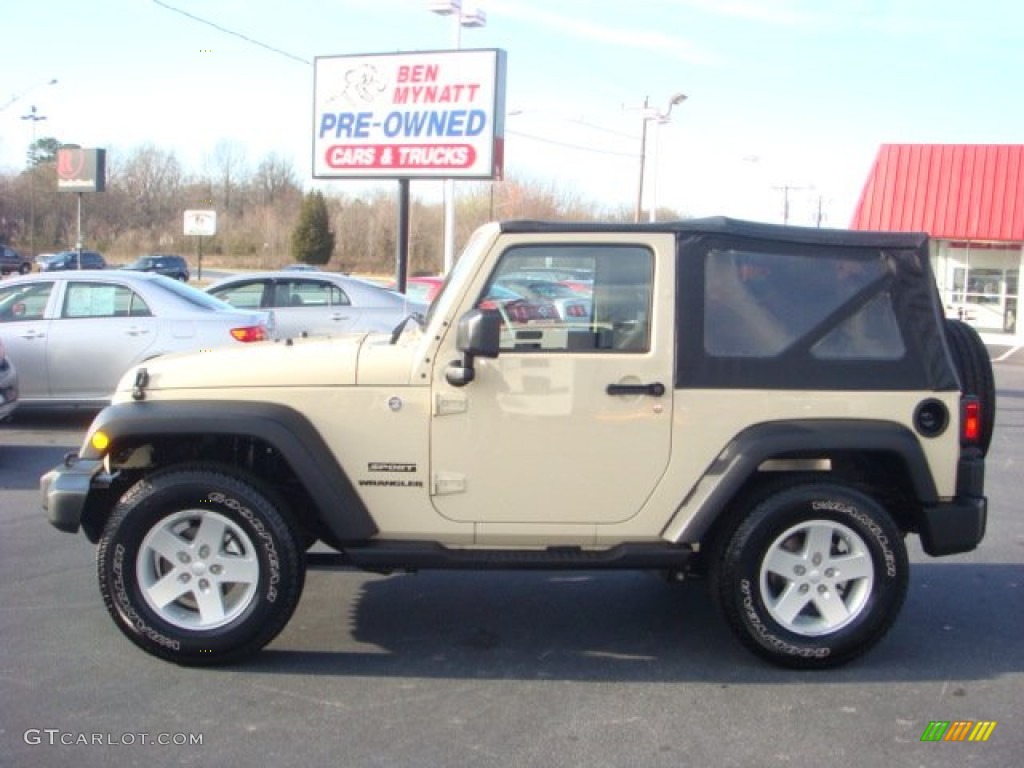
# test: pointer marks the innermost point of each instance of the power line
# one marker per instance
(280, 52)
(571, 146)
(227, 31)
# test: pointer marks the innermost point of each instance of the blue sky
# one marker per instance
(781, 93)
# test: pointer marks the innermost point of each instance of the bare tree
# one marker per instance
(152, 182)
(274, 178)
(229, 165)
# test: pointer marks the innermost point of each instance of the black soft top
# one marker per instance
(723, 225)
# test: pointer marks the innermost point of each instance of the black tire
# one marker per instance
(974, 369)
(176, 596)
(24, 269)
(830, 531)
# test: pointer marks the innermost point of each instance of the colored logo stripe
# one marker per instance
(958, 730)
(982, 730)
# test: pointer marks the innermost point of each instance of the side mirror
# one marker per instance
(478, 335)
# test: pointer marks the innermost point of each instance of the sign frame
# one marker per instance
(201, 223)
(411, 115)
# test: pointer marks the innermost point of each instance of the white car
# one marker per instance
(317, 303)
(73, 334)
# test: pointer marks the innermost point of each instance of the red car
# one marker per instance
(423, 289)
(513, 306)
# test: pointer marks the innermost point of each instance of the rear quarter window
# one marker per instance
(759, 305)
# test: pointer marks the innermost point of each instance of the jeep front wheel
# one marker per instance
(814, 576)
(199, 566)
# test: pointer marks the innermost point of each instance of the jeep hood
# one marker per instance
(302, 362)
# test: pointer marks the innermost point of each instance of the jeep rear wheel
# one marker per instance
(199, 566)
(813, 577)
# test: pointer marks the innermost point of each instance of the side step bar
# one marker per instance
(426, 555)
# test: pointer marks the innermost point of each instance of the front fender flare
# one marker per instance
(286, 429)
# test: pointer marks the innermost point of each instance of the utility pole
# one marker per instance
(35, 117)
(786, 189)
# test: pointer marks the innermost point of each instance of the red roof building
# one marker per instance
(970, 199)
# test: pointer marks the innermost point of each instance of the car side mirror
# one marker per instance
(477, 335)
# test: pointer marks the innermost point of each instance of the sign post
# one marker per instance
(200, 224)
(81, 170)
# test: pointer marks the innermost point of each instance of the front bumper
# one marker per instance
(65, 490)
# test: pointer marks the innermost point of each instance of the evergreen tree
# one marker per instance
(312, 239)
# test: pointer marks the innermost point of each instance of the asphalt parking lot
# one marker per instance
(503, 669)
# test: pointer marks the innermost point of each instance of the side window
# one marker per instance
(101, 300)
(573, 298)
(24, 302)
(308, 293)
(338, 297)
(243, 295)
(758, 304)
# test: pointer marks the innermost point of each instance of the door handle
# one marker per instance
(33, 335)
(654, 389)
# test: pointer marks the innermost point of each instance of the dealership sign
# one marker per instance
(409, 115)
(81, 170)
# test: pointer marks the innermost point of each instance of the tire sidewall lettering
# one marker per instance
(266, 539)
(765, 635)
(127, 606)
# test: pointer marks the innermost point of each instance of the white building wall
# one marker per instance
(980, 283)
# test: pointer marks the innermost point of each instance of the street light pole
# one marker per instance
(35, 117)
(649, 114)
(474, 18)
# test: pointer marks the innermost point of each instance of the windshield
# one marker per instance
(477, 242)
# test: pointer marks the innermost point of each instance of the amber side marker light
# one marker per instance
(100, 441)
(249, 333)
(970, 422)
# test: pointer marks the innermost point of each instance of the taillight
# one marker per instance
(576, 310)
(970, 421)
(517, 313)
(249, 333)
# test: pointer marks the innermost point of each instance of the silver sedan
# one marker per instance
(316, 303)
(8, 384)
(72, 335)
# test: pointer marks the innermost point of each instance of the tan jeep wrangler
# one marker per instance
(774, 407)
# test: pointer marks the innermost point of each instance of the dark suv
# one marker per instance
(12, 261)
(163, 264)
(66, 260)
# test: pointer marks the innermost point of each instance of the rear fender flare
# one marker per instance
(798, 439)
